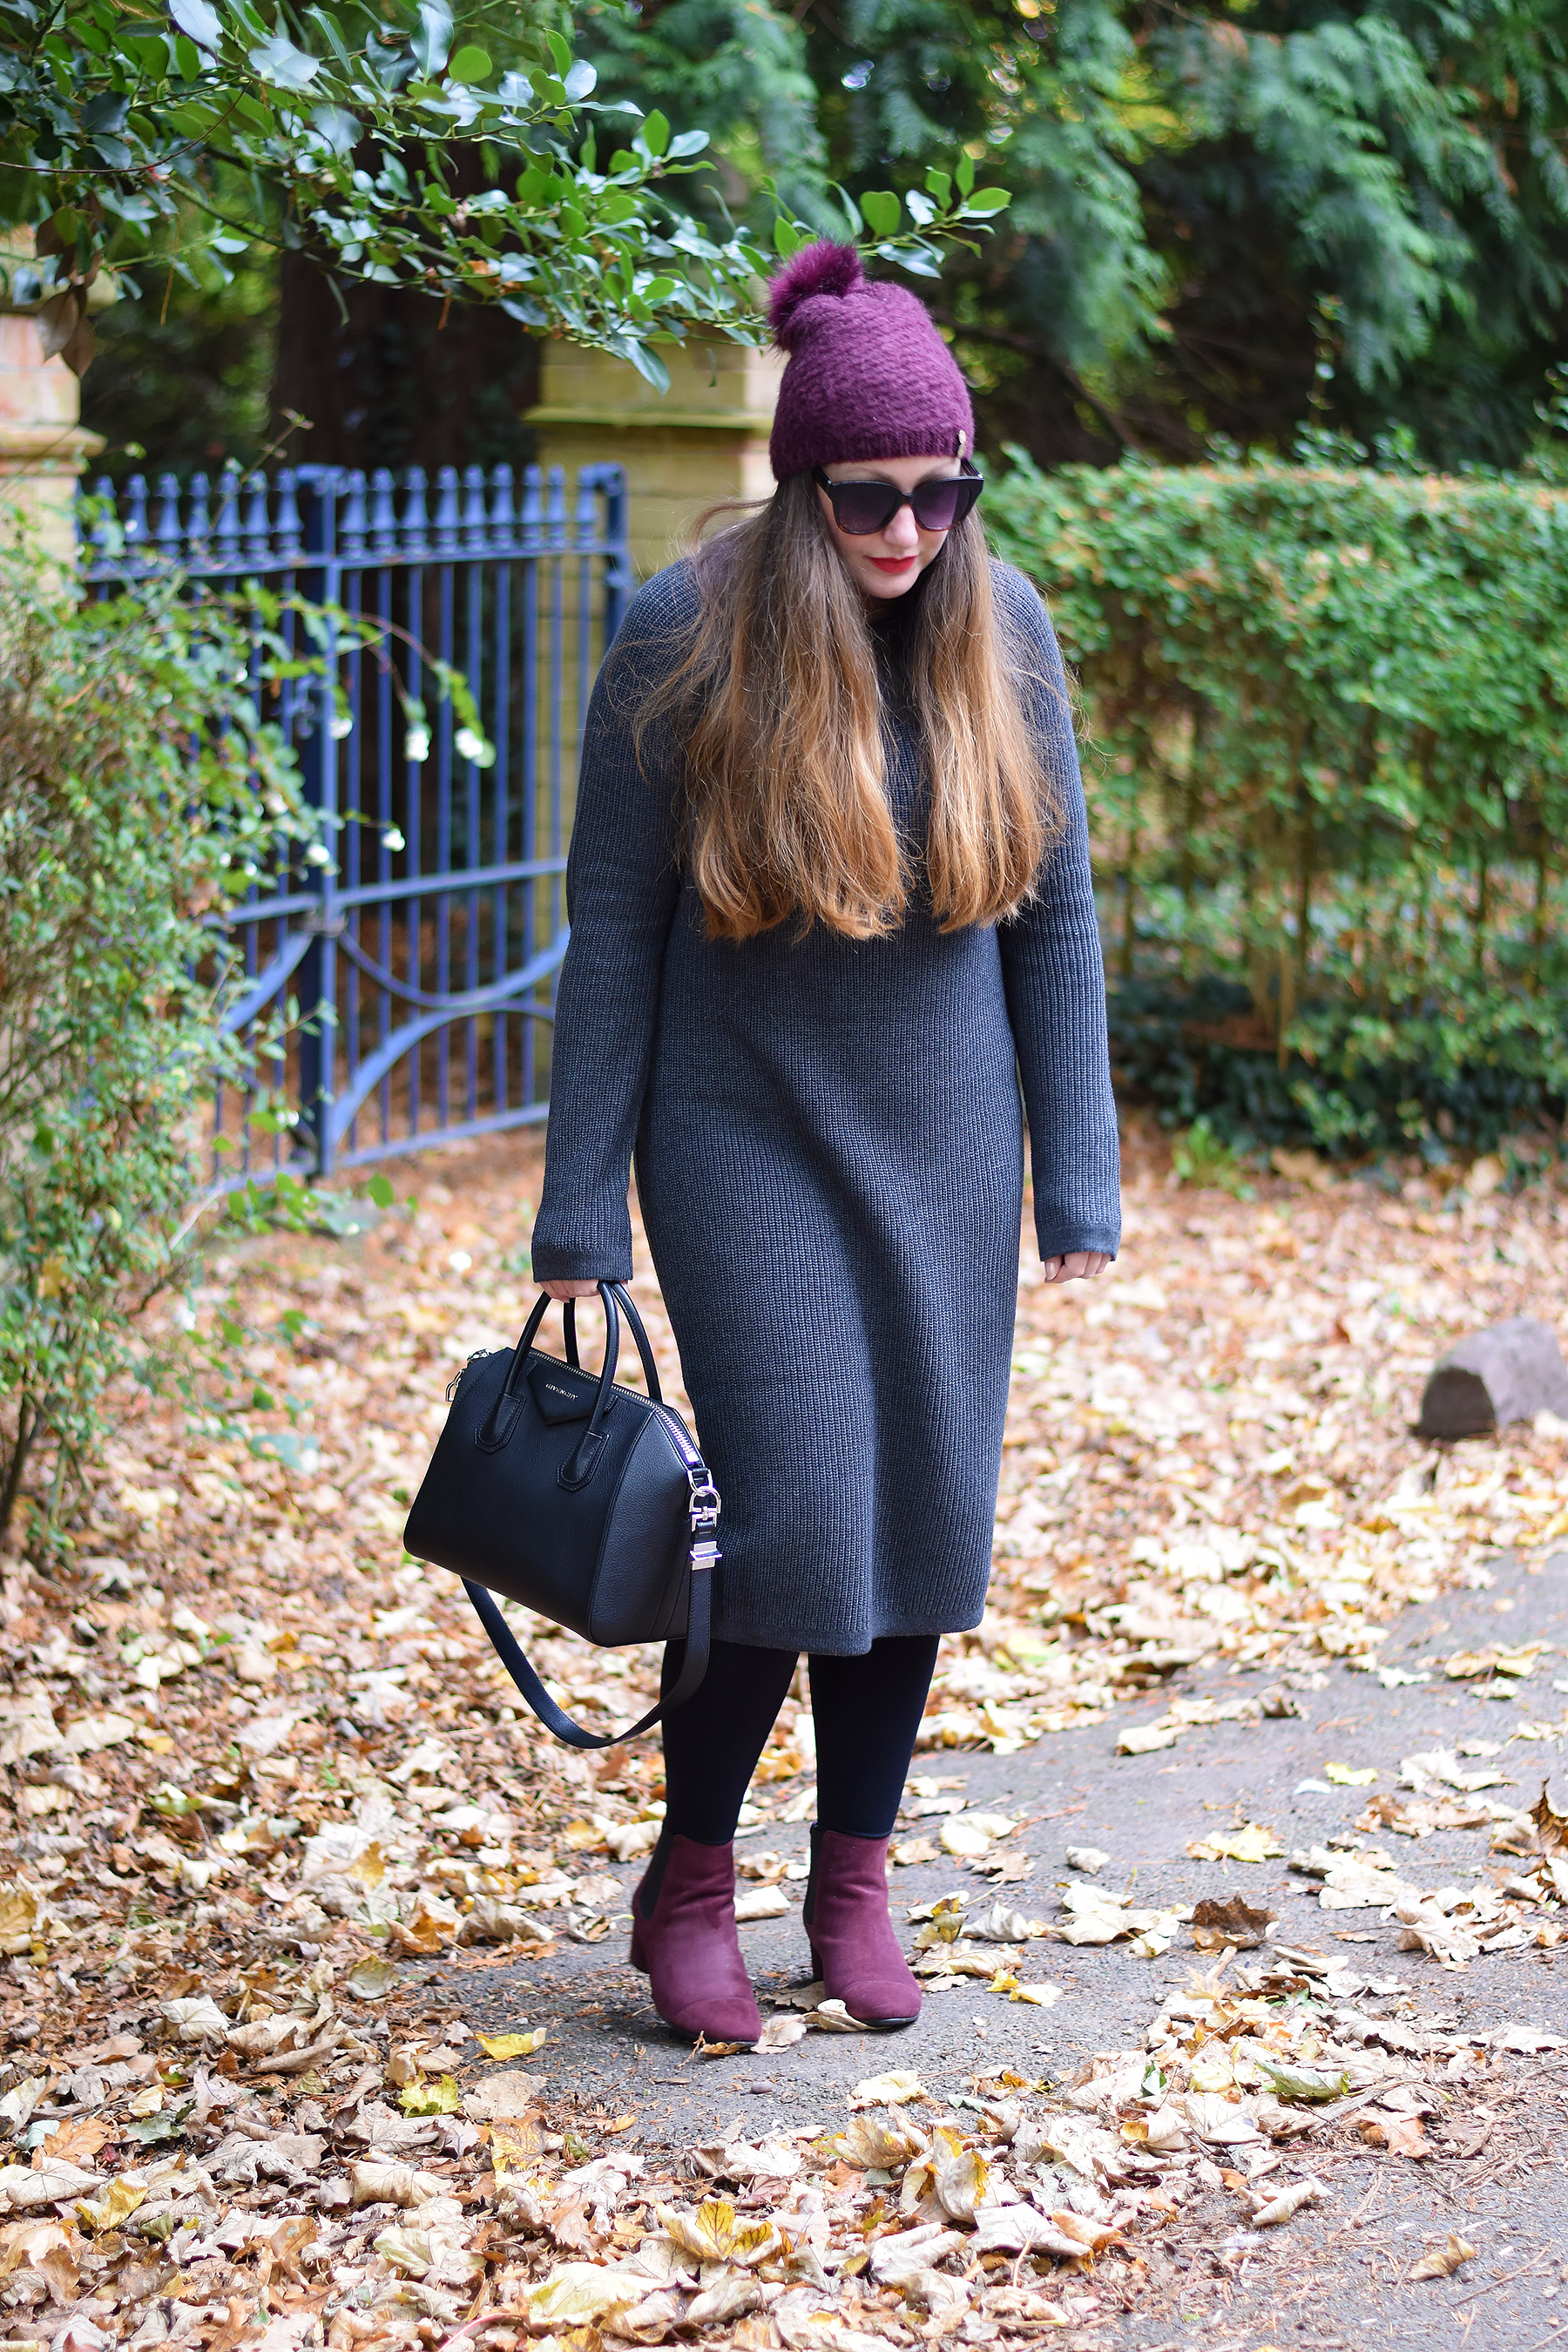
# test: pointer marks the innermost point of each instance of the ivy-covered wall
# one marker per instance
(1326, 720)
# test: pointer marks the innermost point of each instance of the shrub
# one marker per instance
(1201, 1157)
(1328, 776)
(139, 796)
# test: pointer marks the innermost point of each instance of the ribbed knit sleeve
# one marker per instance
(623, 882)
(1054, 973)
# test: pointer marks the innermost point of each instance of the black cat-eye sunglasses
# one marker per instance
(861, 509)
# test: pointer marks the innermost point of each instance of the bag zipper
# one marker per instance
(704, 1551)
(456, 1382)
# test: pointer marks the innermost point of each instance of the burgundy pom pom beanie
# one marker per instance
(869, 375)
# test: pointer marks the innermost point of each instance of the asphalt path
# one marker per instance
(1339, 2276)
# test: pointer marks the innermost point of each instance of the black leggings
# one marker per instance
(866, 1711)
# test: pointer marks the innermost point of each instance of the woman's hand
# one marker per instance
(1079, 1265)
(570, 1289)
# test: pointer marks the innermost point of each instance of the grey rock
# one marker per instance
(1509, 1372)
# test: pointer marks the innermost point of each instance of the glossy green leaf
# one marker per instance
(647, 362)
(278, 61)
(433, 41)
(234, 77)
(199, 20)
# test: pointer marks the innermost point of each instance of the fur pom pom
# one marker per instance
(820, 268)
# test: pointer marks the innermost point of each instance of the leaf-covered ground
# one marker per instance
(269, 1802)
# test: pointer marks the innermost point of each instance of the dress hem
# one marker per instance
(805, 1646)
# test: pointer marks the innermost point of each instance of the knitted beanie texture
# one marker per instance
(868, 376)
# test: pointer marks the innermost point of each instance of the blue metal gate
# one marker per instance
(423, 954)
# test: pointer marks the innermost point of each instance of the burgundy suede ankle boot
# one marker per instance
(853, 1948)
(684, 1941)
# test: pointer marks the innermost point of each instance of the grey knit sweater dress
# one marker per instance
(828, 1138)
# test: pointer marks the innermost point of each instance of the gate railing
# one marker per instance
(414, 972)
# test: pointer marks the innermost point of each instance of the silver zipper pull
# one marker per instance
(456, 1382)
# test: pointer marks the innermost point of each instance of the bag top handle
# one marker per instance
(503, 1417)
(569, 1324)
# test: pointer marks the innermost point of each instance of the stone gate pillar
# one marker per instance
(706, 438)
(43, 446)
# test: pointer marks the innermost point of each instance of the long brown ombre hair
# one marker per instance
(786, 814)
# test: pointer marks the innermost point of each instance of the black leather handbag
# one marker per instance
(588, 1503)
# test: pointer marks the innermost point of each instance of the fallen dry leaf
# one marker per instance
(1400, 2135)
(910, 1853)
(878, 2143)
(503, 2097)
(1417, 1817)
(112, 2208)
(1550, 1814)
(336, 1793)
(761, 1903)
(729, 2298)
(1039, 1993)
(1304, 2082)
(1286, 2203)
(78, 2139)
(1233, 1920)
(1146, 1739)
(1252, 1842)
(714, 2233)
(375, 2183)
(514, 2046)
(895, 2090)
(577, 2294)
(371, 1979)
(1446, 2260)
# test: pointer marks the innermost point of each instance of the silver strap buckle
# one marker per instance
(705, 1503)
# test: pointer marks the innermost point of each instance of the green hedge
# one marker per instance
(1327, 761)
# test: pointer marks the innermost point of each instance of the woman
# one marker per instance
(830, 895)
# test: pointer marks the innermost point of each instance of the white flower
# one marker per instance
(416, 745)
(472, 746)
(342, 725)
(318, 855)
(392, 839)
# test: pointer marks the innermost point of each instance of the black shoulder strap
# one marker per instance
(555, 1719)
